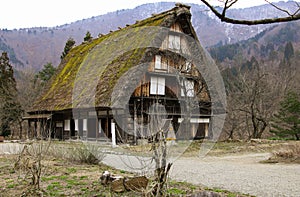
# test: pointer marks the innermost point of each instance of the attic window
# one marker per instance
(174, 42)
(157, 86)
(159, 64)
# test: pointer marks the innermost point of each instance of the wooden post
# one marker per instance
(106, 125)
(35, 129)
(28, 129)
(134, 122)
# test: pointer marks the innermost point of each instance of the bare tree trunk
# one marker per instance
(159, 147)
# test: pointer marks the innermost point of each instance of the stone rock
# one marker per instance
(136, 183)
(106, 178)
(118, 185)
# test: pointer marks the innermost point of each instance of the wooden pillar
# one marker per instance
(97, 128)
(35, 129)
(42, 129)
(134, 122)
(28, 129)
(106, 125)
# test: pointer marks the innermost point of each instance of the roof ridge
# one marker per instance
(179, 9)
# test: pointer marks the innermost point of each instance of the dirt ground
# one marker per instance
(236, 167)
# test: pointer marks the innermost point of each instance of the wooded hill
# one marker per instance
(267, 45)
(37, 46)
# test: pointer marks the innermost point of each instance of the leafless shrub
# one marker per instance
(29, 162)
(88, 153)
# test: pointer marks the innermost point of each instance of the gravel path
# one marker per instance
(240, 173)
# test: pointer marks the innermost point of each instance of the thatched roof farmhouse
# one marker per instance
(116, 85)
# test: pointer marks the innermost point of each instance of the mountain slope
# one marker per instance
(34, 47)
(267, 45)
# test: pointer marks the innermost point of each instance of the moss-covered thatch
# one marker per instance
(87, 75)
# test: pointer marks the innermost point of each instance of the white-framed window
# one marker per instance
(67, 125)
(187, 88)
(84, 127)
(157, 86)
(174, 42)
(157, 62)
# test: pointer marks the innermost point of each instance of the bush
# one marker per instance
(83, 153)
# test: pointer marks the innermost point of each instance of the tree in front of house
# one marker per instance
(286, 122)
(69, 45)
(10, 108)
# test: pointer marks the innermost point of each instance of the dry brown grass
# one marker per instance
(287, 154)
(290, 154)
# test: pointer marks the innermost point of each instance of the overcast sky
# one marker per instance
(50, 13)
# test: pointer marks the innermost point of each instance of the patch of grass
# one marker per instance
(175, 191)
(11, 185)
(179, 187)
(48, 178)
(63, 177)
(72, 182)
(71, 170)
(226, 192)
(8, 180)
(84, 189)
(83, 177)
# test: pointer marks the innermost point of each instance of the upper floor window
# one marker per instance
(174, 42)
(157, 86)
(159, 64)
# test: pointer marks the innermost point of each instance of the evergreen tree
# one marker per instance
(287, 122)
(46, 73)
(10, 108)
(69, 45)
(288, 51)
(88, 37)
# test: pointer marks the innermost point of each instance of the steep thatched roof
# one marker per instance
(87, 75)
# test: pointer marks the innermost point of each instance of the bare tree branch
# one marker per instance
(279, 8)
(229, 3)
